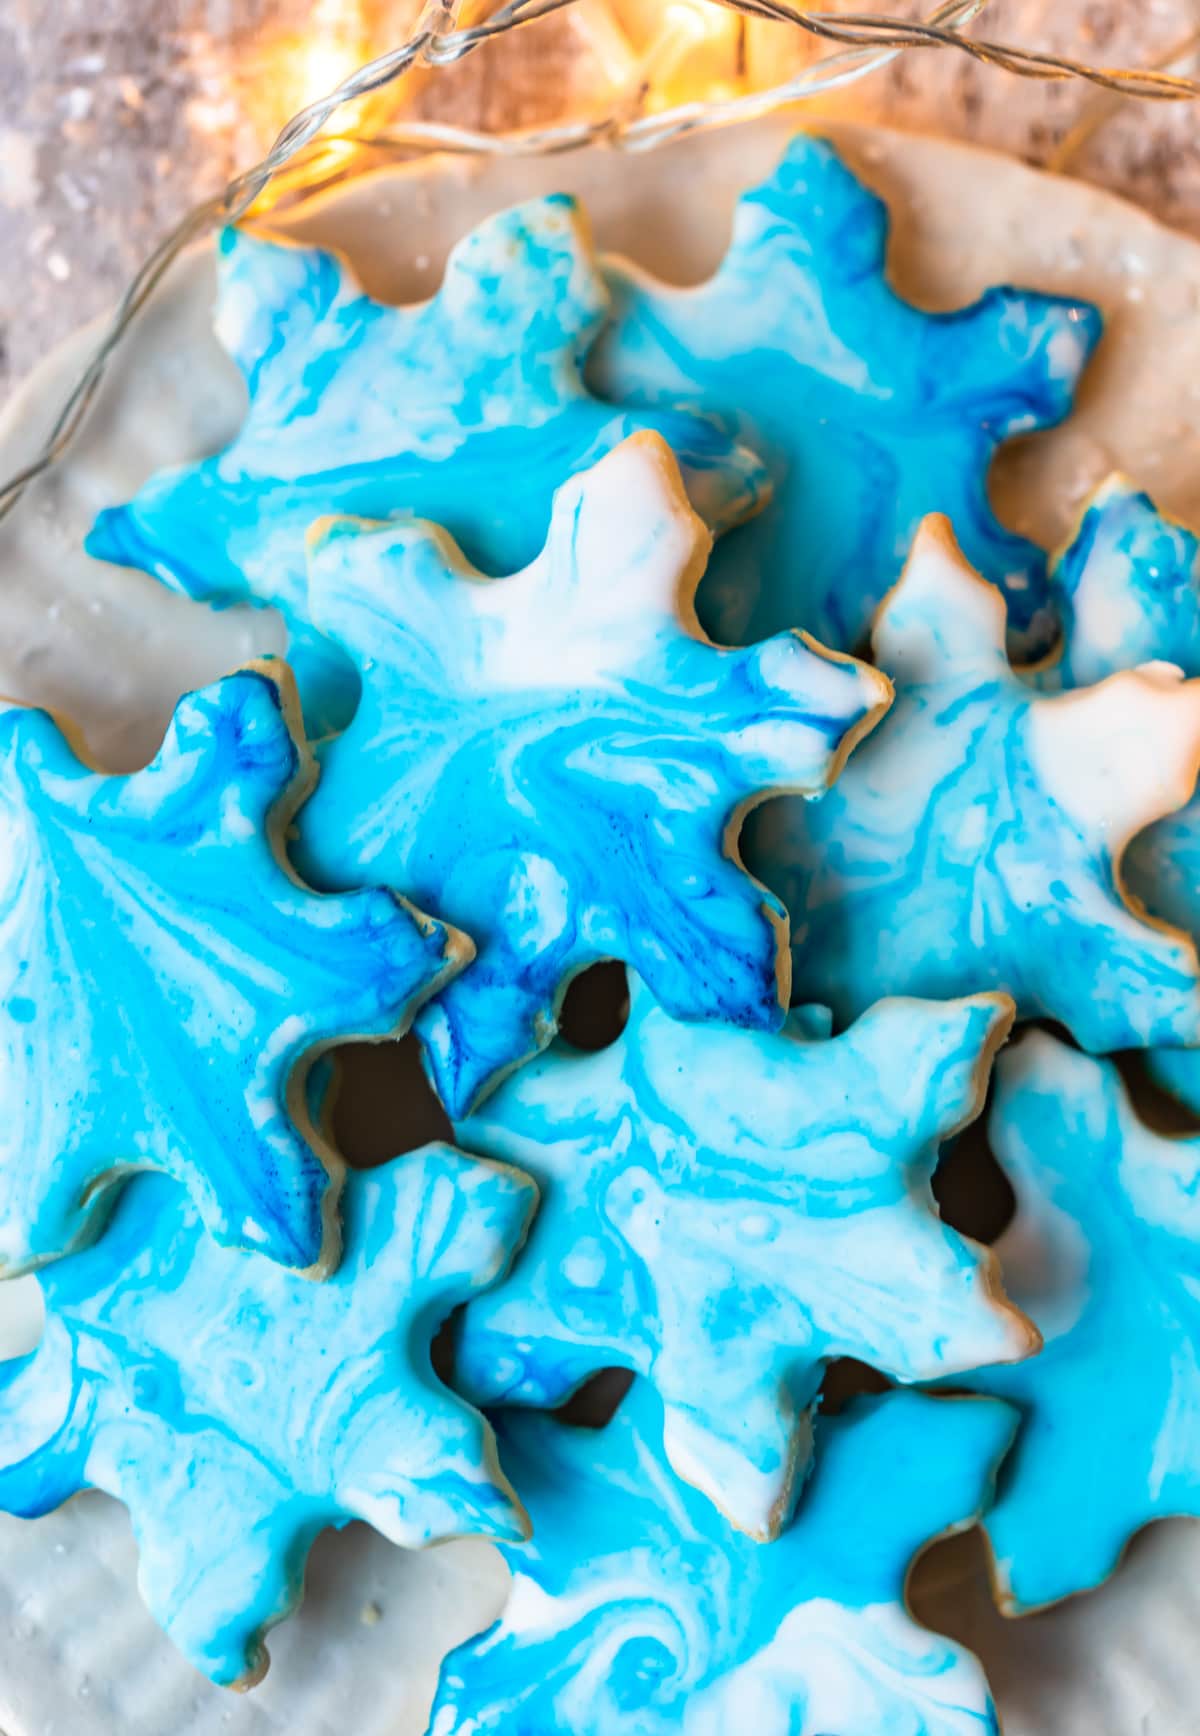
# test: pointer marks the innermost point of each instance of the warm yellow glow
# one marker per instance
(337, 46)
(303, 68)
(645, 20)
(248, 97)
(611, 65)
(667, 52)
(693, 51)
(775, 52)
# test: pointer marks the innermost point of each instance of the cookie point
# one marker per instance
(257, 1666)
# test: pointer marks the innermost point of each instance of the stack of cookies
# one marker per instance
(670, 627)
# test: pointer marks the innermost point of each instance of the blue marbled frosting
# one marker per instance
(636, 1608)
(238, 1409)
(1128, 592)
(975, 840)
(726, 1210)
(870, 413)
(164, 980)
(1104, 1252)
(558, 761)
(468, 410)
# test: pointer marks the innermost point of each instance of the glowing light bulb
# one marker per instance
(333, 47)
(694, 51)
(645, 20)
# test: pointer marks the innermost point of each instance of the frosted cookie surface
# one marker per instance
(468, 409)
(558, 761)
(636, 1607)
(869, 413)
(165, 980)
(1104, 1251)
(976, 840)
(237, 1409)
(725, 1211)
(1127, 590)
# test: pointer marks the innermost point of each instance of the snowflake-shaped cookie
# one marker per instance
(164, 979)
(724, 1211)
(469, 410)
(1105, 1253)
(637, 1608)
(1128, 591)
(976, 840)
(237, 1409)
(870, 413)
(559, 761)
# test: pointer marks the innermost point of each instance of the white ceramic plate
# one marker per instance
(78, 1654)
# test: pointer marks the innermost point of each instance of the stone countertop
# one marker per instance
(117, 115)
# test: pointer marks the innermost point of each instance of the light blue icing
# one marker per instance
(724, 1211)
(164, 980)
(1128, 592)
(975, 840)
(636, 1608)
(237, 1409)
(558, 761)
(1104, 1252)
(870, 413)
(469, 410)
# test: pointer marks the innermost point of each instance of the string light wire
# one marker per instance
(863, 44)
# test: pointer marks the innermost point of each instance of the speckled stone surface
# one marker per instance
(115, 115)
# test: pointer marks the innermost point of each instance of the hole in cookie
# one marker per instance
(973, 1193)
(383, 1103)
(758, 841)
(847, 1379)
(441, 1348)
(949, 1591)
(1156, 1107)
(1046, 635)
(598, 1399)
(595, 1009)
